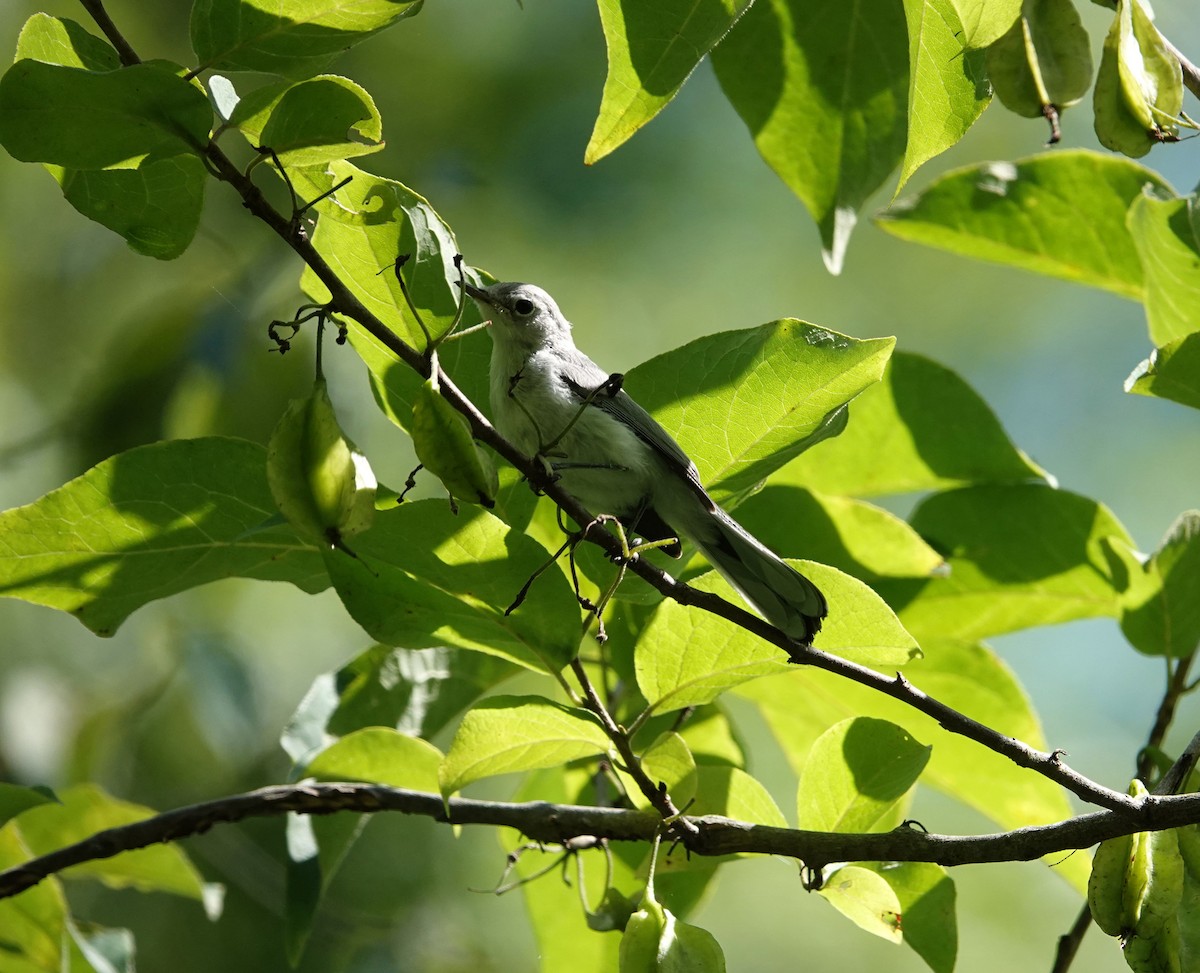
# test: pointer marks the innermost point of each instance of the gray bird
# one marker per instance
(615, 459)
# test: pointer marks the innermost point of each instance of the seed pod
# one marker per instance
(1139, 88)
(320, 481)
(444, 446)
(639, 942)
(1043, 61)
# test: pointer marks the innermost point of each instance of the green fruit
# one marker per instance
(639, 943)
(443, 443)
(1139, 87)
(1107, 882)
(320, 481)
(1043, 60)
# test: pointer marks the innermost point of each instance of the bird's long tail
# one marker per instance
(780, 593)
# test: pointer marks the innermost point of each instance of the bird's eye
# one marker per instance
(523, 307)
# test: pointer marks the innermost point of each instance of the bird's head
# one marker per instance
(521, 313)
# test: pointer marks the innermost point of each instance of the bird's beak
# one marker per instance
(477, 294)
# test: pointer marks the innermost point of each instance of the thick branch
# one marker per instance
(540, 821)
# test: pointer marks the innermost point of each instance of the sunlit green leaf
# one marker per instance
(921, 428)
(320, 120)
(1162, 617)
(856, 771)
(380, 755)
(985, 20)
(1171, 372)
(1062, 215)
(947, 88)
(149, 523)
(362, 229)
(1018, 556)
(417, 691)
(652, 49)
(1167, 244)
(864, 898)
(505, 734)
(735, 794)
(60, 40)
(424, 577)
(92, 120)
(15, 799)
(865, 541)
(927, 904)
(743, 403)
(823, 88)
(969, 678)
(85, 810)
(686, 657)
(296, 39)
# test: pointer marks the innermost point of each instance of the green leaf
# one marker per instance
(564, 937)
(984, 21)
(927, 904)
(32, 924)
(856, 772)
(652, 50)
(735, 794)
(900, 438)
(424, 577)
(85, 810)
(823, 88)
(1062, 215)
(853, 536)
(947, 87)
(776, 388)
(417, 691)
(1019, 556)
(686, 657)
(321, 120)
(149, 523)
(1162, 617)
(156, 207)
(63, 41)
(1171, 372)
(1166, 241)
(667, 761)
(362, 229)
(294, 38)
(969, 678)
(15, 799)
(864, 898)
(380, 755)
(505, 734)
(89, 120)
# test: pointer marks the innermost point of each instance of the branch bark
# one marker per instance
(556, 823)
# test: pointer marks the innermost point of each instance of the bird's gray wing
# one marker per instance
(610, 398)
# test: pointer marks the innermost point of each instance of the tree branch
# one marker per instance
(556, 823)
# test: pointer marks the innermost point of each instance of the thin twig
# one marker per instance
(658, 797)
(125, 51)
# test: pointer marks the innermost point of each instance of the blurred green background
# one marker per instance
(487, 107)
